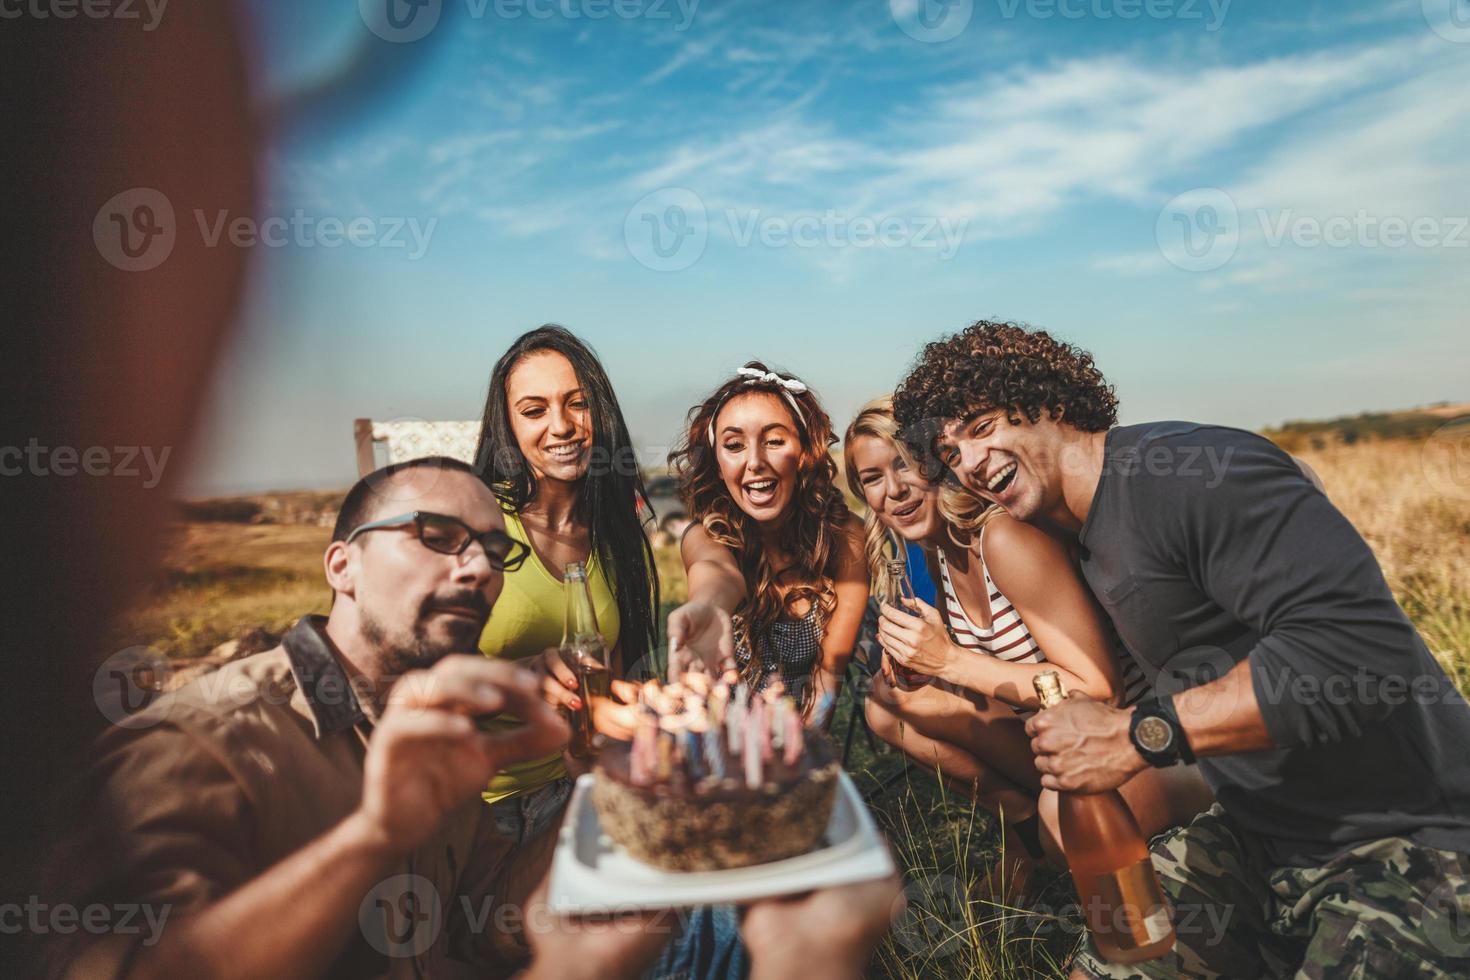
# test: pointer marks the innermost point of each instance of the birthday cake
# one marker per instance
(716, 778)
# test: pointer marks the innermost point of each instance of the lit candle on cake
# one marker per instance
(794, 738)
(644, 755)
(735, 723)
(767, 714)
(665, 767)
(694, 747)
(714, 751)
(753, 746)
(719, 700)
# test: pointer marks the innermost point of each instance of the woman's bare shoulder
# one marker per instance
(1017, 554)
(697, 542)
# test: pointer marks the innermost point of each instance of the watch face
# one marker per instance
(1155, 734)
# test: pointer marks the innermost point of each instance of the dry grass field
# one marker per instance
(224, 579)
(1413, 507)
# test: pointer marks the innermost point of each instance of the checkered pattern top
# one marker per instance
(790, 650)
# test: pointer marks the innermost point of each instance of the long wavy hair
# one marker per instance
(611, 496)
(810, 534)
(963, 513)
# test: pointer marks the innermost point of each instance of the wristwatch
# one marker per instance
(1157, 735)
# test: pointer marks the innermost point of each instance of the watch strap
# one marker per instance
(1166, 706)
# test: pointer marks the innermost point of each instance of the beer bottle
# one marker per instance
(583, 650)
(1115, 879)
(898, 592)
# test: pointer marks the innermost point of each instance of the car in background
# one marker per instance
(668, 512)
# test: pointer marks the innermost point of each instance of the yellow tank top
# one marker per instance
(528, 618)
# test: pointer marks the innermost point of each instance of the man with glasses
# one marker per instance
(314, 810)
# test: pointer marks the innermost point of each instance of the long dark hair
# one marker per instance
(611, 495)
(811, 534)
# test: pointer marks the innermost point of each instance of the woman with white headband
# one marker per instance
(777, 576)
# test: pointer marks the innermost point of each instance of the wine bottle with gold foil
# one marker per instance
(1115, 879)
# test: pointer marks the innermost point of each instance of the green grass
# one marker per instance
(946, 847)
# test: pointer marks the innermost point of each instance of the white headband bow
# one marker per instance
(755, 376)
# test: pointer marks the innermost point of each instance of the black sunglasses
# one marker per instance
(451, 536)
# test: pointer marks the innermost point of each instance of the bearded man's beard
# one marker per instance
(418, 650)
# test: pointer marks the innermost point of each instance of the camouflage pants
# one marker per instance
(1387, 908)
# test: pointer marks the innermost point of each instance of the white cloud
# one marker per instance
(1010, 153)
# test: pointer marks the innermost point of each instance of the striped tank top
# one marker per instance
(1008, 638)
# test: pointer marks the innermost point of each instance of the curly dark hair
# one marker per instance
(811, 535)
(991, 365)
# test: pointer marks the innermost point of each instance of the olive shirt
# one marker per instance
(530, 616)
(213, 784)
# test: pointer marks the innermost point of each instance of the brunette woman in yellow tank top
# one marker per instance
(554, 446)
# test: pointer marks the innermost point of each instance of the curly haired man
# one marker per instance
(1340, 845)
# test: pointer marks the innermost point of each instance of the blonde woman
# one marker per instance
(1011, 605)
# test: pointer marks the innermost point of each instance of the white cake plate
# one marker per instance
(590, 874)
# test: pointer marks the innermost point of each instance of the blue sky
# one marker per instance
(835, 183)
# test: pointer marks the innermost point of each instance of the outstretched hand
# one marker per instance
(700, 632)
